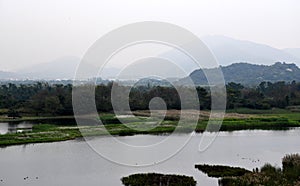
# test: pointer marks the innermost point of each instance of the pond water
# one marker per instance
(21, 126)
(13, 127)
(75, 163)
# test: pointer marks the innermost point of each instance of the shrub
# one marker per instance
(154, 179)
(268, 168)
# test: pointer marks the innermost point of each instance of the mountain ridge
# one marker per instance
(229, 50)
(248, 74)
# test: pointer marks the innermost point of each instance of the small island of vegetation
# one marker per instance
(218, 171)
(155, 179)
(288, 175)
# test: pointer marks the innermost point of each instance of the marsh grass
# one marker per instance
(218, 171)
(289, 175)
(155, 179)
(62, 130)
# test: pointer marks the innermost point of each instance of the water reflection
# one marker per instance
(25, 126)
(13, 127)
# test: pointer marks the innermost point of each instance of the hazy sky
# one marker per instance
(38, 31)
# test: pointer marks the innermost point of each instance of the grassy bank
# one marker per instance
(40, 133)
(64, 130)
(288, 175)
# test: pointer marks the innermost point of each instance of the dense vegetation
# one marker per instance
(36, 99)
(288, 175)
(218, 171)
(60, 128)
(45, 99)
(154, 179)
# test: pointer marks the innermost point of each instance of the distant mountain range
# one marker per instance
(293, 51)
(61, 68)
(4, 75)
(228, 50)
(248, 74)
(240, 54)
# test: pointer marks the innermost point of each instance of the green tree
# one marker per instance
(52, 105)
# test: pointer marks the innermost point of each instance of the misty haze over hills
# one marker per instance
(226, 50)
(294, 51)
(63, 68)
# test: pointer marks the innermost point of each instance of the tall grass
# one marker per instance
(155, 179)
(289, 175)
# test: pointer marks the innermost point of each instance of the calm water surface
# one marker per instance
(74, 163)
(13, 127)
(21, 126)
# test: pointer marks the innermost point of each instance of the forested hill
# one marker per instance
(249, 74)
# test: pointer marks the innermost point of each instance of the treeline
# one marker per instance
(265, 96)
(38, 98)
(45, 99)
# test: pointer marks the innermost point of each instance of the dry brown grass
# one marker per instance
(191, 114)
